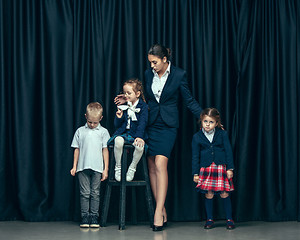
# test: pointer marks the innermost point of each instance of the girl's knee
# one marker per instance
(119, 142)
(209, 195)
(224, 194)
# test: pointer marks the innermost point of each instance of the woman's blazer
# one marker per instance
(167, 106)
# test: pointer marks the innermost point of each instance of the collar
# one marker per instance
(96, 128)
(168, 70)
(210, 132)
(135, 104)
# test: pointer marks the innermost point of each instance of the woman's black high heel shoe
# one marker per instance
(158, 228)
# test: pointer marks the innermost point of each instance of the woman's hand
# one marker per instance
(120, 99)
(119, 113)
(196, 178)
(139, 142)
(229, 174)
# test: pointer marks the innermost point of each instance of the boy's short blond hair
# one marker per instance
(94, 109)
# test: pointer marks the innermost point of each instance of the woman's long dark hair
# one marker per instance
(160, 51)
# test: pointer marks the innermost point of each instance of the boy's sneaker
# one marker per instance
(230, 224)
(94, 223)
(85, 223)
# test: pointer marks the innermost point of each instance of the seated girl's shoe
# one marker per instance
(230, 224)
(130, 174)
(209, 224)
(118, 173)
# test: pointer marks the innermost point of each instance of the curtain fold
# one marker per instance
(240, 56)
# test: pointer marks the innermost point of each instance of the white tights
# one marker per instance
(118, 150)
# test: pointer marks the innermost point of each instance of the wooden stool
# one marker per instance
(127, 149)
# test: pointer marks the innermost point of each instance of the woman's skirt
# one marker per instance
(214, 178)
(161, 138)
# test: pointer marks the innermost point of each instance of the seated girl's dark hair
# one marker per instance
(213, 113)
(160, 51)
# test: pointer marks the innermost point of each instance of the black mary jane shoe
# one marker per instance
(209, 224)
(230, 224)
(157, 228)
(165, 224)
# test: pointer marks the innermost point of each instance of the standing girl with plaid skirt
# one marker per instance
(212, 164)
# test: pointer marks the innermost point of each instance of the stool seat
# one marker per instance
(127, 149)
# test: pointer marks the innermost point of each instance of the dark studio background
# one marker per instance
(242, 57)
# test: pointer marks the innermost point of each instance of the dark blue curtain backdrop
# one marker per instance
(241, 56)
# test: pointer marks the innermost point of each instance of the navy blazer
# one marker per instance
(167, 106)
(204, 152)
(137, 128)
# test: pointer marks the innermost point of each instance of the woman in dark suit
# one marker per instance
(163, 85)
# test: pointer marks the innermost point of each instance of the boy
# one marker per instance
(90, 163)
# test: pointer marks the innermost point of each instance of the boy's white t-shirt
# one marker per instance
(90, 143)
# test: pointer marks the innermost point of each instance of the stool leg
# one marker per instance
(122, 207)
(106, 205)
(148, 192)
(133, 205)
(107, 194)
(123, 191)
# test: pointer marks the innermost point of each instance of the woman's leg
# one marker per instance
(158, 173)
(152, 174)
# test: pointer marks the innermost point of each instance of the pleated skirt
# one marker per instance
(214, 178)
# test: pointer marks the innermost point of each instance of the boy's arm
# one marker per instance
(106, 162)
(76, 156)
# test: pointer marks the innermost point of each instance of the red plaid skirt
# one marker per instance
(214, 178)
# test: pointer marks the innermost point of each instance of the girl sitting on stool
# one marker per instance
(131, 120)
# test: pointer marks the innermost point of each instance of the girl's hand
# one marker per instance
(120, 99)
(229, 174)
(139, 142)
(119, 113)
(196, 178)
